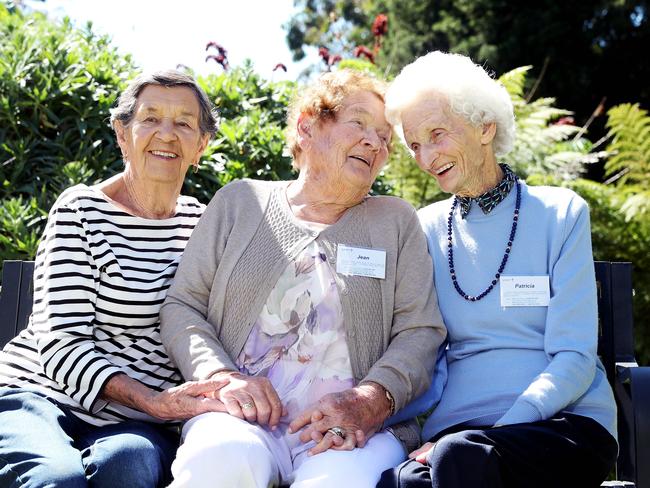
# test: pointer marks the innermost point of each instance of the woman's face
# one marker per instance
(350, 150)
(163, 139)
(446, 146)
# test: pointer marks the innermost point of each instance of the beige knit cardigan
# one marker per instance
(242, 244)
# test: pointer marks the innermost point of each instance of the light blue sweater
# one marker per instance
(519, 364)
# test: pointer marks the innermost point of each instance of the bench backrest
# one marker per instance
(16, 298)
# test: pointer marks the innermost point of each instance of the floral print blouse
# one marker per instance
(298, 340)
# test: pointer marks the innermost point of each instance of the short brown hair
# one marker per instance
(323, 99)
(124, 111)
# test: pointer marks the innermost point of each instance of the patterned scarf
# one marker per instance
(490, 198)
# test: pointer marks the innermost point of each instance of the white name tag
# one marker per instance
(360, 261)
(525, 291)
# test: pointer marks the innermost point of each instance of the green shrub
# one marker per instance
(57, 84)
(21, 221)
(250, 140)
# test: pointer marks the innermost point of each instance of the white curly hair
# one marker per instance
(469, 89)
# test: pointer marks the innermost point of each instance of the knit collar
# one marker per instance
(491, 198)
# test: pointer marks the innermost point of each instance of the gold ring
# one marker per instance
(337, 431)
(247, 405)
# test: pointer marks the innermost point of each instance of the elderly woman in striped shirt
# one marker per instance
(86, 389)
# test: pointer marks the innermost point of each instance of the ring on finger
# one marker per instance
(247, 405)
(337, 431)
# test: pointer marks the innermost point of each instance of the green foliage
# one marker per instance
(579, 49)
(21, 221)
(629, 163)
(543, 146)
(408, 181)
(250, 141)
(57, 84)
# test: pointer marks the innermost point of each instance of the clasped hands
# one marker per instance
(358, 412)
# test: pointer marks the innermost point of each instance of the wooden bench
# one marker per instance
(630, 382)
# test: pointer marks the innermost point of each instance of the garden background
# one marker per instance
(578, 74)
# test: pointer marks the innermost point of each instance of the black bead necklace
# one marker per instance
(450, 249)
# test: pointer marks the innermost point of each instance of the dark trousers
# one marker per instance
(566, 451)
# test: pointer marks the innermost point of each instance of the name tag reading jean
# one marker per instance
(525, 291)
(360, 261)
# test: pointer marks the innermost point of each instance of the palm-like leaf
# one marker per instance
(629, 128)
(541, 145)
(629, 163)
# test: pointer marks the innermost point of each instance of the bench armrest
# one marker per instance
(632, 389)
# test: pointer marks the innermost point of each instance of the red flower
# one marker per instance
(364, 51)
(334, 59)
(280, 66)
(568, 120)
(324, 53)
(380, 25)
(217, 46)
(219, 58)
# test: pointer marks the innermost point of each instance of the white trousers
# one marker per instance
(222, 451)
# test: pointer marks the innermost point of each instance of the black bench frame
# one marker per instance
(631, 383)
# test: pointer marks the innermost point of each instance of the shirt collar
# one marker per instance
(490, 198)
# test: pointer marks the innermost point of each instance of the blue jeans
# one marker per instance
(42, 444)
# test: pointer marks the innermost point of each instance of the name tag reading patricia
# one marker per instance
(525, 291)
(360, 261)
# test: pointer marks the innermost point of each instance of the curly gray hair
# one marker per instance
(471, 92)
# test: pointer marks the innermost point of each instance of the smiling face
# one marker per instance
(349, 150)
(457, 154)
(163, 139)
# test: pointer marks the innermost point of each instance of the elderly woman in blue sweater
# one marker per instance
(526, 402)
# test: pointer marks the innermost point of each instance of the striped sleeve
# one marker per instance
(66, 282)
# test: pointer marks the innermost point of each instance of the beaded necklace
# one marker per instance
(450, 249)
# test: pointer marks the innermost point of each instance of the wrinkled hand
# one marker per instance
(359, 411)
(250, 398)
(422, 453)
(187, 400)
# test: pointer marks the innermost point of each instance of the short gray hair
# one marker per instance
(469, 89)
(124, 111)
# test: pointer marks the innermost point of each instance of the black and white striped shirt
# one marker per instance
(100, 278)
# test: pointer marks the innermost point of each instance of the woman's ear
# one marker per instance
(305, 127)
(488, 131)
(205, 139)
(121, 137)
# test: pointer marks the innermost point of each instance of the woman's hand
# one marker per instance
(422, 453)
(250, 398)
(358, 411)
(176, 403)
(187, 400)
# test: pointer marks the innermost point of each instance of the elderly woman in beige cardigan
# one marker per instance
(314, 301)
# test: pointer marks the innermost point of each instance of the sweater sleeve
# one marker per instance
(405, 369)
(191, 341)
(66, 281)
(571, 334)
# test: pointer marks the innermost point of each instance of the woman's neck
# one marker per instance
(486, 176)
(150, 200)
(319, 203)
